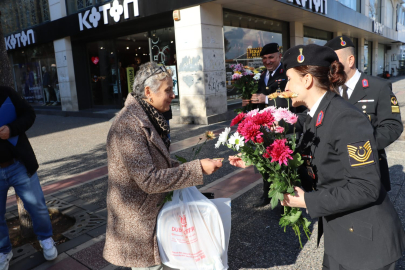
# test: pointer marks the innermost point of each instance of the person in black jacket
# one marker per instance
(374, 97)
(18, 166)
(361, 228)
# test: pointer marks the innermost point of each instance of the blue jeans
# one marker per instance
(30, 192)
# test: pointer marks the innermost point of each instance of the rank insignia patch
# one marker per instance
(300, 57)
(365, 83)
(319, 119)
(281, 71)
(394, 101)
(360, 154)
(342, 42)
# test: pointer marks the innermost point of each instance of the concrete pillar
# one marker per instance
(64, 61)
(201, 64)
(374, 53)
(296, 33)
(336, 34)
(360, 54)
(365, 7)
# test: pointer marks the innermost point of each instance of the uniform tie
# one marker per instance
(344, 92)
(307, 121)
(266, 78)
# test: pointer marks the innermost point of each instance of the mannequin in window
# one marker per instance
(46, 84)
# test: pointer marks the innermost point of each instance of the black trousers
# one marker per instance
(330, 264)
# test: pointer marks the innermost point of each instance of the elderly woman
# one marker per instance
(140, 170)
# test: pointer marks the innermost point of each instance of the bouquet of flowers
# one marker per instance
(261, 141)
(246, 80)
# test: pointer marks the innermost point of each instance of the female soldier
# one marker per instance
(362, 229)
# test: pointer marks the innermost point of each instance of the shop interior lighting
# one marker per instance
(101, 48)
(112, 53)
(264, 22)
(271, 22)
(226, 15)
(136, 54)
(250, 19)
(240, 18)
(127, 48)
(256, 21)
(139, 48)
(171, 41)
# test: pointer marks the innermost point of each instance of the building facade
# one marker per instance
(82, 55)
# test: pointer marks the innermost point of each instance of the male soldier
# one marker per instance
(374, 97)
(271, 79)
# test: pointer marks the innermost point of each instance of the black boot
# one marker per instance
(264, 199)
(262, 202)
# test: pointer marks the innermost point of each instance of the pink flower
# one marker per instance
(279, 152)
(237, 119)
(281, 113)
(270, 109)
(236, 76)
(252, 113)
(250, 131)
(291, 118)
(279, 129)
(263, 119)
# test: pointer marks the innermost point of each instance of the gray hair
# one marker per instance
(145, 78)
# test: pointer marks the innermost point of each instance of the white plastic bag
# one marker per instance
(190, 232)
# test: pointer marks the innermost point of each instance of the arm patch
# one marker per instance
(360, 153)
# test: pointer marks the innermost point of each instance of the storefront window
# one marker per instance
(35, 72)
(245, 36)
(368, 47)
(316, 36)
(73, 6)
(21, 14)
(375, 10)
(114, 63)
(353, 4)
(389, 15)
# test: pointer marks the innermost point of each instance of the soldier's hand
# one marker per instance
(4, 132)
(295, 201)
(258, 98)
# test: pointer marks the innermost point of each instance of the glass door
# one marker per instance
(104, 76)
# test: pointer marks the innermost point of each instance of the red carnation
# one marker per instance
(250, 131)
(237, 119)
(279, 151)
(264, 118)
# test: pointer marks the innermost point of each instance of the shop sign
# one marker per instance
(253, 52)
(378, 27)
(130, 78)
(20, 39)
(320, 6)
(90, 18)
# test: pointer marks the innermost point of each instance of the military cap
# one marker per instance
(339, 42)
(309, 55)
(269, 49)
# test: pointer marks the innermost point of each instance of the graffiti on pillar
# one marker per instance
(215, 83)
(190, 64)
(189, 80)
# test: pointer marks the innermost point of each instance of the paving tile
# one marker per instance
(72, 243)
(102, 212)
(72, 211)
(97, 231)
(31, 262)
(69, 198)
(68, 264)
(92, 256)
(91, 207)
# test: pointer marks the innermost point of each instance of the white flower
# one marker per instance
(256, 77)
(236, 141)
(252, 112)
(223, 137)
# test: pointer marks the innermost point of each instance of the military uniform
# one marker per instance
(374, 97)
(361, 227)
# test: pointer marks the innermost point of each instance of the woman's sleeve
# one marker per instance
(351, 138)
(133, 148)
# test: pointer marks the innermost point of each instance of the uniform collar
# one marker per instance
(351, 83)
(274, 71)
(316, 105)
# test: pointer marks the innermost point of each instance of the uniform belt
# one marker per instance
(7, 163)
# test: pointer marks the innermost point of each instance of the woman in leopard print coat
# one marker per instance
(140, 170)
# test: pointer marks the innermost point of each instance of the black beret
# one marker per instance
(339, 42)
(309, 55)
(269, 49)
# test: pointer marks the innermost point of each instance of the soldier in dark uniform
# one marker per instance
(272, 79)
(362, 229)
(374, 97)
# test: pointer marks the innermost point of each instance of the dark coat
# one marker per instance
(272, 86)
(25, 119)
(362, 229)
(387, 124)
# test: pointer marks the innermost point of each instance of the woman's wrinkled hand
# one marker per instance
(295, 201)
(209, 166)
(237, 161)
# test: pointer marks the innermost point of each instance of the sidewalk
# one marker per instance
(71, 152)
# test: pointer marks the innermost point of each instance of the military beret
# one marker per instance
(269, 49)
(309, 55)
(339, 42)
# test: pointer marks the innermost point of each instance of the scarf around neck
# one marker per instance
(157, 119)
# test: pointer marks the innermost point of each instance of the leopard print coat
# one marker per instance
(140, 171)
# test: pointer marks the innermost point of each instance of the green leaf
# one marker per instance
(307, 223)
(274, 202)
(272, 193)
(181, 159)
(290, 190)
(297, 161)
(294, 216)
(280, 196)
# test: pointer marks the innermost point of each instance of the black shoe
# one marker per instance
(262, 202)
